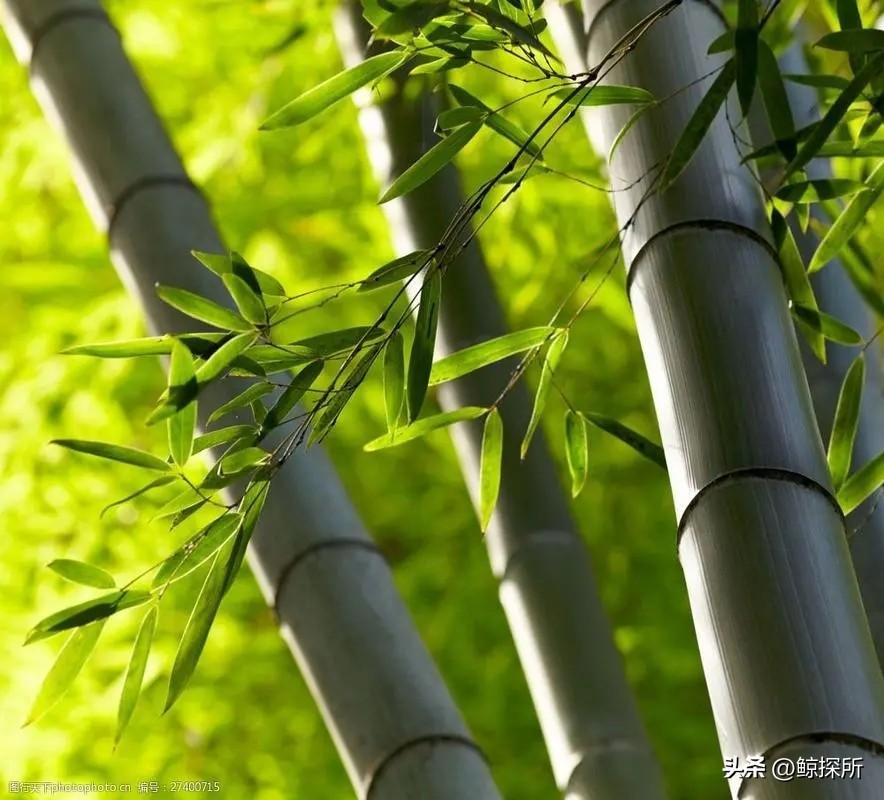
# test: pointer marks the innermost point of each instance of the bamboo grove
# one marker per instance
(737, 229)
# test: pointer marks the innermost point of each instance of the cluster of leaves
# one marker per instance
(262, 340)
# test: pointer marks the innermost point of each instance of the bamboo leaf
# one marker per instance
(698, 125)
(457, 116)
(222, 264)
(245, 397)
(410, 17)
(424, 426)
(115, 452)
(576, 450)
(181, 425)
(221, 436)
(776, 100)
(846, 422)
(83, 613)
(550, 362)
(243, 460)
(817, 190)
(497, 122)
(520, 34)
(333, 408)
(746, 52)
(202, 309)
(489, 466)
(188, 498)
(627, 127)
(643, 446)
(605, 96)
(821, 132)
(394, 380)
(472, 358)
(396, 270)
(819, 81)
(431, 162)
(64, 671)
(866, 40)
(196, 632)
(862, 484)
(299, 384)
(420, 361)
(250, 305)
(250, 507)
(163, 480)
(80, 572)
(830, 327)
(224, 356)
(198, 549)
(130, 348)
(848, 221)
(135, 672)
(319, 98)
(440, 65)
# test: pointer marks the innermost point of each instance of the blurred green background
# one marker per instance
(300, 204)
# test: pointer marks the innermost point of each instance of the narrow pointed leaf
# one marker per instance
(489, 466)
(221, 436)
(576, 450)
(224, 356)
(746, 51)
(830, 327)
(605, 96)
(472, 358)
(643, 446)
(394, 380)
(80, 572)
(866, 40)
(432, 161)
(319, 98)
(819, 81)
(130, 348)
(335, 404)
(440, 65)
(64, 671)
(135, 672)
(182, 424)
(621, 134)
(299, 384)
(519, 33)
(245, 397)
(846, 422)
(202, 309)
(497, 122)
(698, 125)
(550, 362)
(862, 484)
(424, 426)
(420, 362)
(250, 508)
(250, 305)
(90, 611)
(396, 270)
(115, 452)
(199, 548)
(163, 480)
(242, 460)
(817, 190)
(848, 221)
(776, 100)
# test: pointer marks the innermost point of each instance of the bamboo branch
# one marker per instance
(393, 721)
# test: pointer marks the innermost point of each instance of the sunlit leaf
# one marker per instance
(550, 362)
(424, 426)
(642, 445)
(89, 611)
(862, 484)
(432, 161)
(846, 422)
(576, 450)
(163, 480)
(830, 327)
(149, 346)
(420, 361)
(181, 425)
(605, 96)
(198, 549)
(243, 460)
(115, 452)
(819, 81)
(628, 125)
(245, 397)
(135, 672)
(202, 309)
(80, 572)
(222, 436)
(250, 305)
(519, 33)
(394, 380)
(411, 17)
(334, 405)
(816, 190)
(396, 270)
(319, 98)
(64, 671)
(224, 356)
(497, 122)
(457, 116)
(776, 100)
(298, 385)
(489, 466)
(440, 65)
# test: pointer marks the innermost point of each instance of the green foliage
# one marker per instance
(489, 466)
(846, 422)
(576, 450)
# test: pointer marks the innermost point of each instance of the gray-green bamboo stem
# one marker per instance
(389, 713)
(596, 742)
(785, 644)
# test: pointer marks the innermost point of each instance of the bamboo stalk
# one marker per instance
(594, 736)
(389, 713)
(785, 645)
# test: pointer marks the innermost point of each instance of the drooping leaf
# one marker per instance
(520, 34)
(819, 81)
(489, 466)
(846, 422)
(188, 498)
(576, 450)
(222, 436)
(332, 343)
(423, 426)
(822, 131)
(605, 96)
(862, 484)
(627, 127)
(80, 572)
(816, 190)
(250, 507)
(849, 220)
(222, 264)
(181, 425)
(396, 270)
(202, 309)
(243, 460)
(335, 404)
(163, 480)
(115, 452)
(457, 116)
(440, 65)
(224, 356)
(394, 380)
(866, 40)
(746, 52)
(89, 611)
(699, 123)
(130, 348)
(795, 277)
(64, 671)
(198, 549)
(135, 672)
(319, 98)
(410, 17)
(830, 327)
(550, 362)
(472, 358)
(431, 162)
(643, 446)
(420, 361)
(250, 305)
(776, 100)
(497, 122)
(253, 392)
(298, 385)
